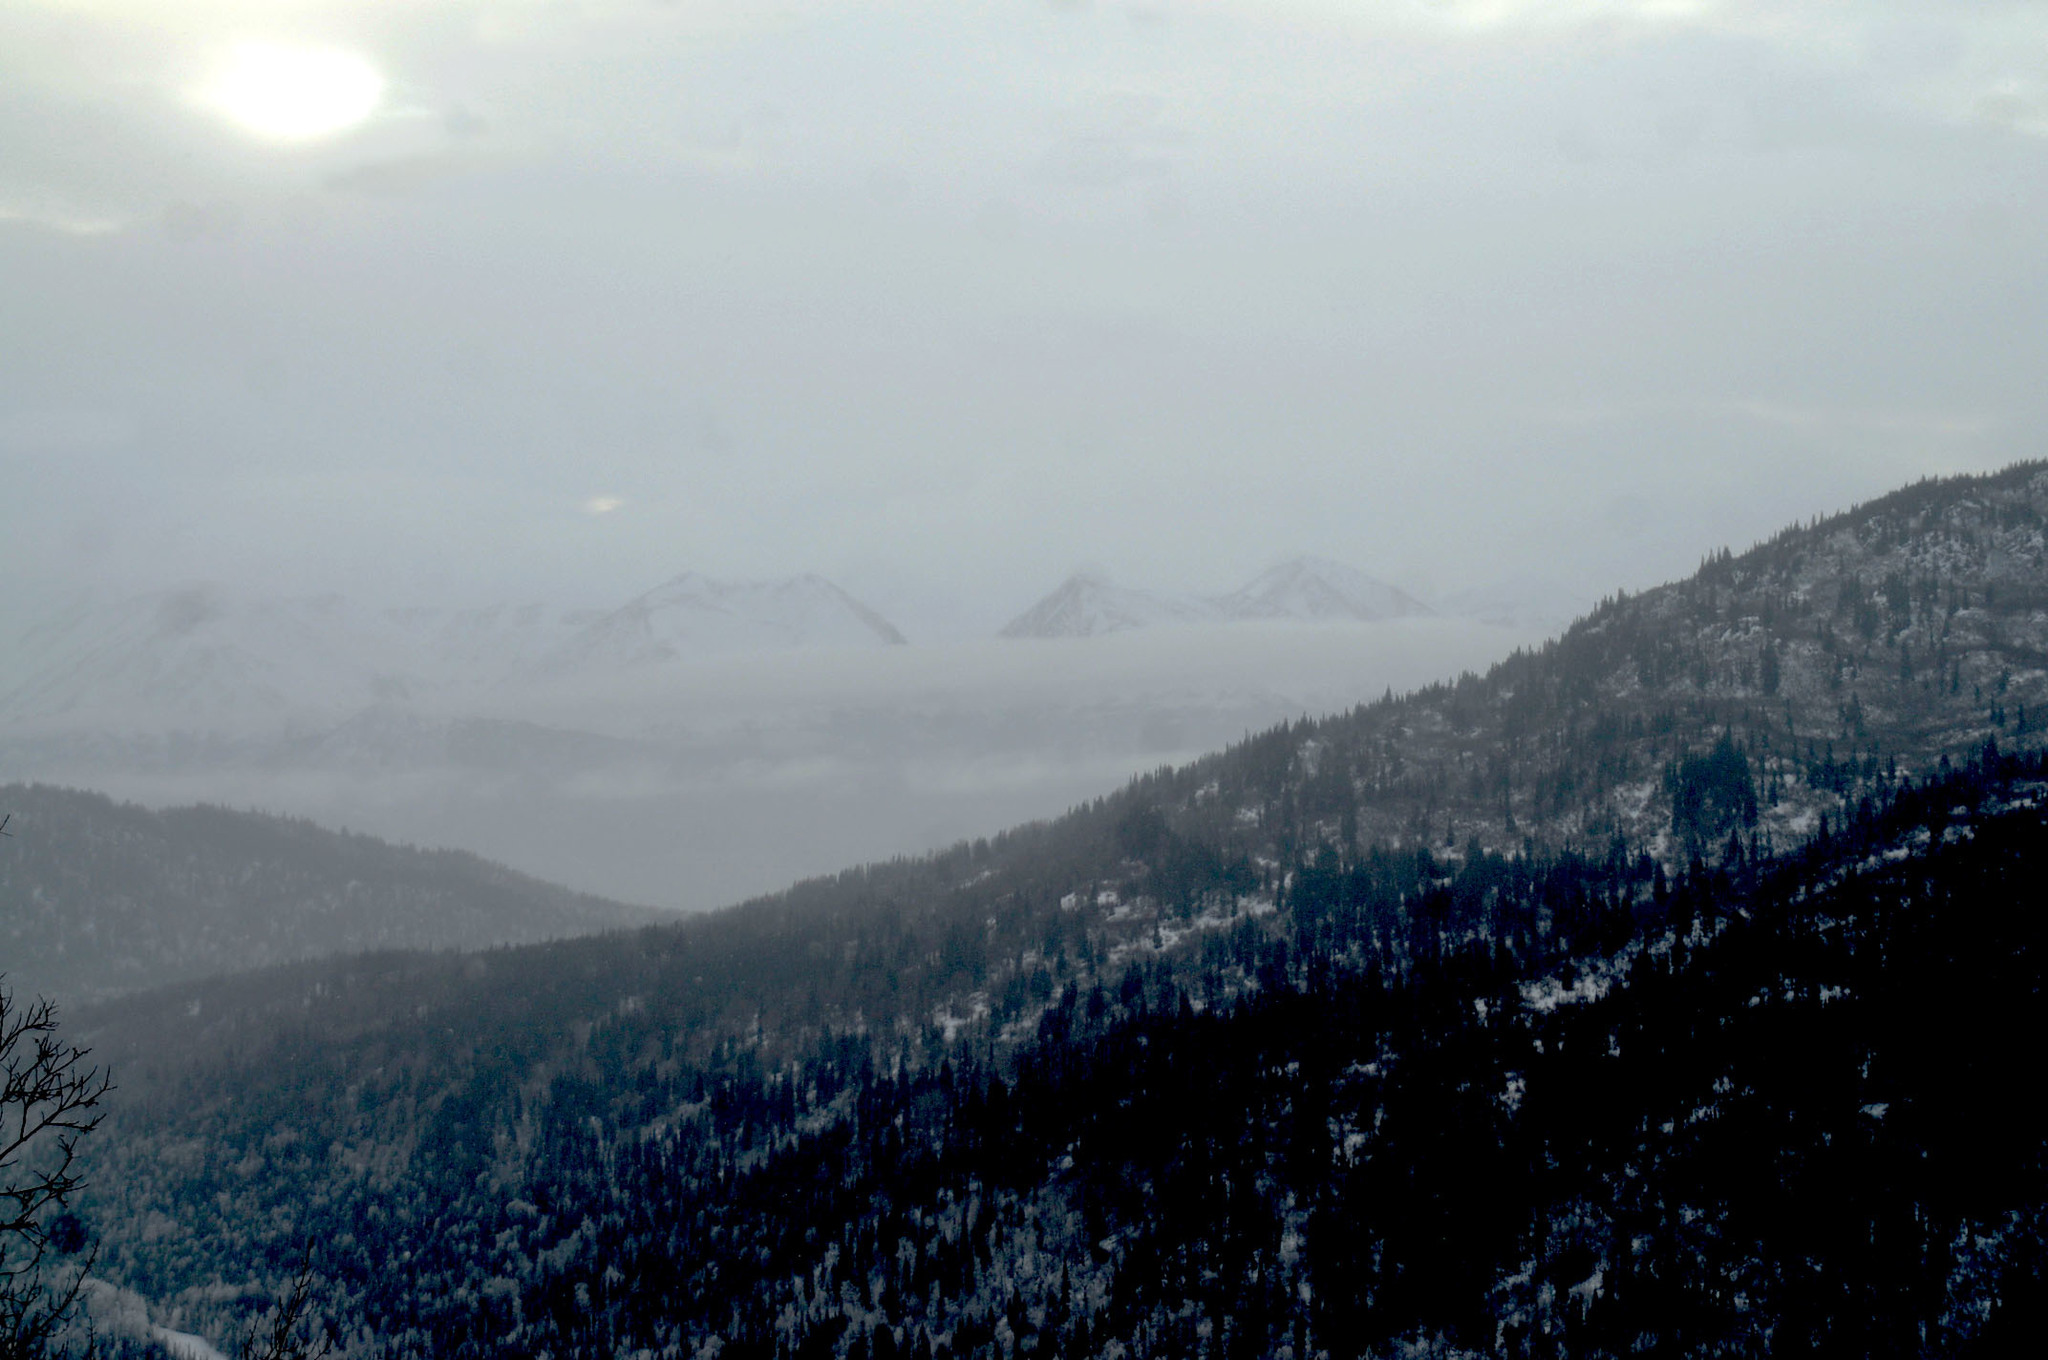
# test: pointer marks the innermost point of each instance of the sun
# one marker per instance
(293, 94)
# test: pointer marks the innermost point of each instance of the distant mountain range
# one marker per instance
(695, 616)
(1317, 588)
(196, 654)
(1311, 588)
(703, 741)
(493, 641)
(205, 658)
(1086, 604)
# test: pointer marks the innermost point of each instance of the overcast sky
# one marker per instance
(466, 301)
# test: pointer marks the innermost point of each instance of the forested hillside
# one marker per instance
(1581, 1007)
(1547, 1106)
(99, 898)
(1756, 700)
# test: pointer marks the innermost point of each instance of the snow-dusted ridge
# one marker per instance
(1087, 604)
(1317, 588)
(694, 617)
(204, 658)
(201, 656)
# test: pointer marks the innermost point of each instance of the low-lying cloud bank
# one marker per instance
(693, 784)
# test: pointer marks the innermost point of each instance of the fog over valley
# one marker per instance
(387, 384)
(705, 740)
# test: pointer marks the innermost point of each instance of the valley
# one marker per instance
(1692, 905)
(702, 743)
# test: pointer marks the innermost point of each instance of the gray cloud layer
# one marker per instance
(941, 300)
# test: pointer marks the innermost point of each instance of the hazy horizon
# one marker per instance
(552, 302)
(696, 783)
(508, 301)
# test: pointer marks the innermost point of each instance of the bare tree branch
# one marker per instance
(287, 1333)
(49, 1099)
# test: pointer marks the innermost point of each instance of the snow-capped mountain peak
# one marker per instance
(1317, 588)
(203, 659)
(1311, 588)
(696, 616)
(485, 645)
(1087, 604)
(200, 654)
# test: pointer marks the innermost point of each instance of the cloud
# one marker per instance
(977, 290)
(1918, 425)
(64, 431)
(396, 177)
(1483, 15)
(57, 220)
(1101, 162)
